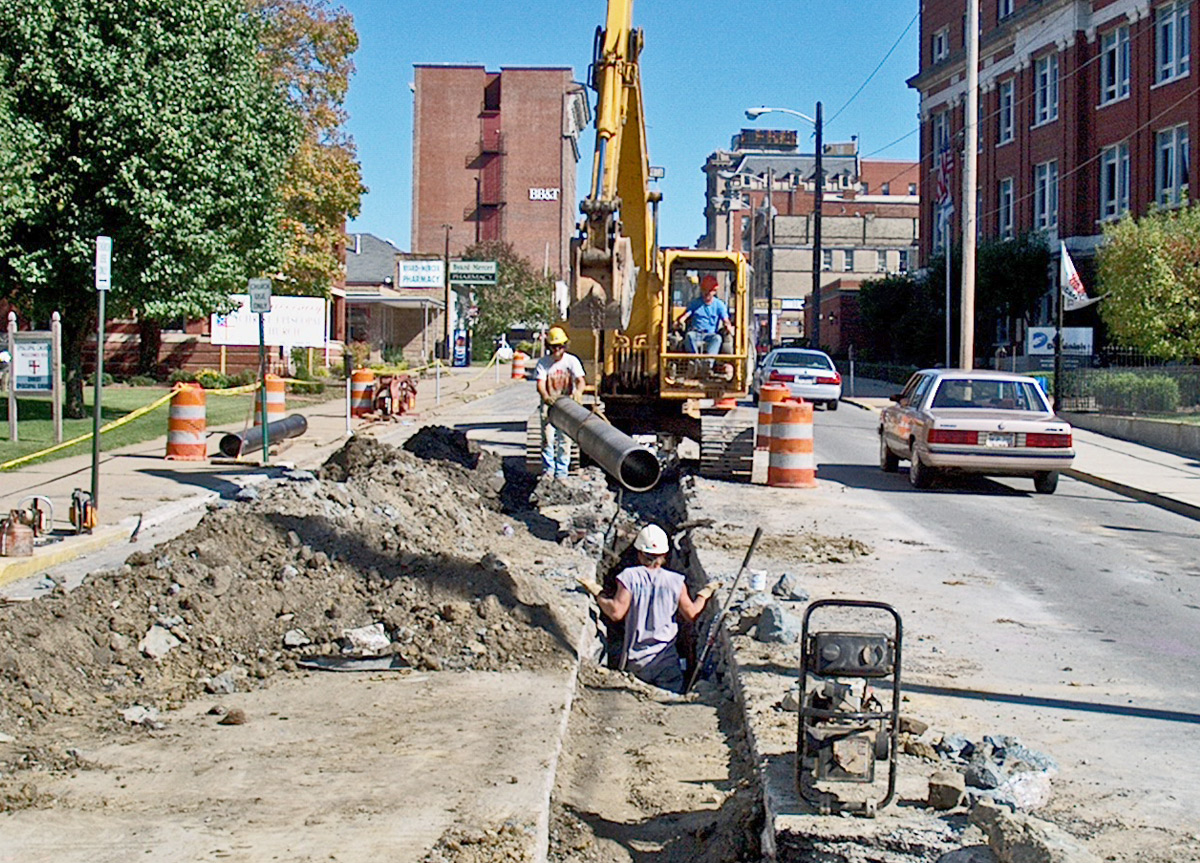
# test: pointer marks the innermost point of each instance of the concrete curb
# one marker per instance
(1178, 507)
(16, 568)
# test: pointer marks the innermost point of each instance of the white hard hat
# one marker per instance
(652, 539)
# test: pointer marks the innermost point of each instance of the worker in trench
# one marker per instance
(647, 598)
(557, 374)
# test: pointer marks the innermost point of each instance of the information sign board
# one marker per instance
(298, 322)
(473, 272)
(260, 296)
(32, 364)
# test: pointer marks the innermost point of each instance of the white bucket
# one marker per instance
(758, 580)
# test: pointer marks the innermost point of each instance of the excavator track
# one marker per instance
(727, 445)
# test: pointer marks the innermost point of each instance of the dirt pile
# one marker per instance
(379, 552)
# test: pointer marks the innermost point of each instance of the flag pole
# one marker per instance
(1058, 315)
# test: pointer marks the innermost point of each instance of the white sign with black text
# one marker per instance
(298, 322)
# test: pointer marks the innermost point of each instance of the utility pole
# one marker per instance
(447, 344)
(770, 262)
(970, 165)
(818, 195)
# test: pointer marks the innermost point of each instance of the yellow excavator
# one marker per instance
(627, 294)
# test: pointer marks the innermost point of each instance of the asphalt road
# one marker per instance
(1122, 577)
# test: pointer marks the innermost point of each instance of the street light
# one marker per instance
(818, 194)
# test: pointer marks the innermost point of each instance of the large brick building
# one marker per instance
(1085, 109)
(869, 226)
(494, 158)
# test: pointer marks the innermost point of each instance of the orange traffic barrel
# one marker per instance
(276, 400)
(518, 364)
(187, 424)
(769, 395)
(362, 392)
(791, 463)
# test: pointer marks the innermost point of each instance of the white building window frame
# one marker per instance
(1045, 196)
(1004, 8)
(1172, 41)
(940, 45)
(1114, 181)
(881, 260)
(847, 260)
(1005, 208)
(1045, 90)
(1114, 65)
(826, 260)
(904, 258)
(1004, 114)
(1172, 166)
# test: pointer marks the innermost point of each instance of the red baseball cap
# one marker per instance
(708, 283)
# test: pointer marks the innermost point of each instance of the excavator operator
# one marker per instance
(706, 317)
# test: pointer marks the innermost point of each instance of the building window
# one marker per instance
(1003, 9)
(1114, 181)
(881, 261)
(904, 257)
(1045, 196)
(941, 45)
(912, 188)
(1171, 167)
(847, 260)
(826, 259)
(1004, 114)
(1114, 65)
(1172, 40)
(1005, 203)
(885, 189)
(1045, 89)
(941, 132)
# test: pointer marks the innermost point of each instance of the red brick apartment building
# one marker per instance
(1086, 109)
(494, 157)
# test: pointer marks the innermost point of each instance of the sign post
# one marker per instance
(103, 285)
(260, 303)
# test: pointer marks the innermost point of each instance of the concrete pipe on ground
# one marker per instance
(634, 466)
(251, 440)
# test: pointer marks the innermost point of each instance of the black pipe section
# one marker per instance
(632, 465)
(236, 445)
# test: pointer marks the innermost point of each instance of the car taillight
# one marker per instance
(836, 379)
(787, 379)
(1059, 441)
(952, 436)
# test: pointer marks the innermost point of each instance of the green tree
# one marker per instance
(520, 296)
(149, 121)
(1150, 270)
(1011, 277)
(307, 50)
(901, 318)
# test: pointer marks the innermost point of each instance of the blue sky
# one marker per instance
(703, 64)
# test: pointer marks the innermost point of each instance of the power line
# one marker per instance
(875, 71)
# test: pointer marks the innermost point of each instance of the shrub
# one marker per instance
(1126, 391)
(181, 376)
(360, 353)
(141, 381)
(211, 379)
(242, 378)
(525, 347)
(106, 380)
(306, 387)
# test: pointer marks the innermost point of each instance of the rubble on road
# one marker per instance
(379, 552)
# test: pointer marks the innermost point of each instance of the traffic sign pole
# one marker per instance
(260, 301)
(103, 284)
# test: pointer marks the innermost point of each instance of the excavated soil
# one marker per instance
(411, 551)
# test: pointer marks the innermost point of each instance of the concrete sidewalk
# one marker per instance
(140, 489)
(1149, 475)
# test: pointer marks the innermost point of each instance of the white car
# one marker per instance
(974, 421)
(808, 374)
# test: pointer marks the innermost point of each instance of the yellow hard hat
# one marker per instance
(556, 336)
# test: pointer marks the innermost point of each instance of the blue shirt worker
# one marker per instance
(706, 317)
(648, 597)
(557, 374)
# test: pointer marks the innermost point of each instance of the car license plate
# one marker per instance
(1000, 440)
(805, 381)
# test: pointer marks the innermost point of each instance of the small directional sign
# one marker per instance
(260, 295)
(473, 272)
(103, 263)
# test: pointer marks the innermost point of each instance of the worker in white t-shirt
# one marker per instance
(557, 374)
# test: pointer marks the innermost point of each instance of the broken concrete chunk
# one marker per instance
(947, 789)
(788, 588)
(1020, 838)
(157, 642)
(140, 715)
(226, 682)
(367, 639)
(296, 638)
(776, 626)
(791, 700)
(912, 725)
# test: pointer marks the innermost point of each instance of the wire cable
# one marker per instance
(875, 71)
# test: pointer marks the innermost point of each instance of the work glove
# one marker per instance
(590, 586)
(708, 590)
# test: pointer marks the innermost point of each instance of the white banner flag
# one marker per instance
(1074, 294)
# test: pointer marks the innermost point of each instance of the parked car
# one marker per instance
(974, 421)
(808, 374)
